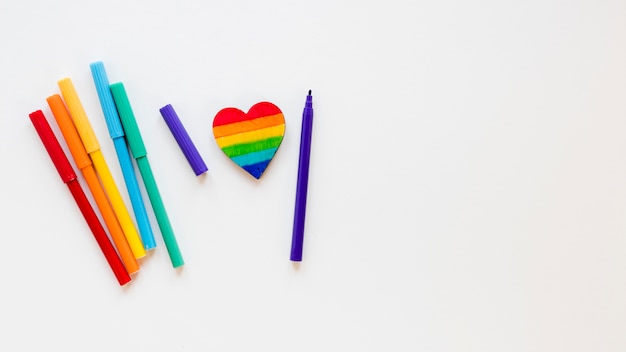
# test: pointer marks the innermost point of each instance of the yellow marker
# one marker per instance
(92, 146)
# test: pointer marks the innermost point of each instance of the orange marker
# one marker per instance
(83, 162)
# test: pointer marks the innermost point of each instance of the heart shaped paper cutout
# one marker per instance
(250, 140)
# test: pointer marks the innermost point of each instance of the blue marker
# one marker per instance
(123, 154)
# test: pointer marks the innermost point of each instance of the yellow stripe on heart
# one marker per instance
(251, 136)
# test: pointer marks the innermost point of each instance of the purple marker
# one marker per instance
(303, 180)
(183, 140)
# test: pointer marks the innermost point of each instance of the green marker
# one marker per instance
(138, 150)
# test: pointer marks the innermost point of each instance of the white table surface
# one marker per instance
(467, 186)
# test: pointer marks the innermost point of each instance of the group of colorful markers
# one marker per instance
(130, 244)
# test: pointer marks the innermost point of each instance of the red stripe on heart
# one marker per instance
(231, 115)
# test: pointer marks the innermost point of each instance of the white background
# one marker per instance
(467, 187)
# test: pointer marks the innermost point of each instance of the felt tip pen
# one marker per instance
(116, 132)
(68, 176)
(297, 239)
(88, 137)
(138, 150)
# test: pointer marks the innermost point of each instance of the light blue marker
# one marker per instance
(123, 154)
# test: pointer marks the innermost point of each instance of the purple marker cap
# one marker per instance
(183, 140)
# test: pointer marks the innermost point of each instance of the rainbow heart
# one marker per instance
(250, 140)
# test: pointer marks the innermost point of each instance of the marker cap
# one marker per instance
(106, 99)
(184, 141)
(72, 139)
(51, 143)
(135, 142)
(78, 115)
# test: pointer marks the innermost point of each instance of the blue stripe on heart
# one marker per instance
(254, 157)
(257, 169)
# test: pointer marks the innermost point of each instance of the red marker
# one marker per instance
(68, 176)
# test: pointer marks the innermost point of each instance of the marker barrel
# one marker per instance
(297, 241)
